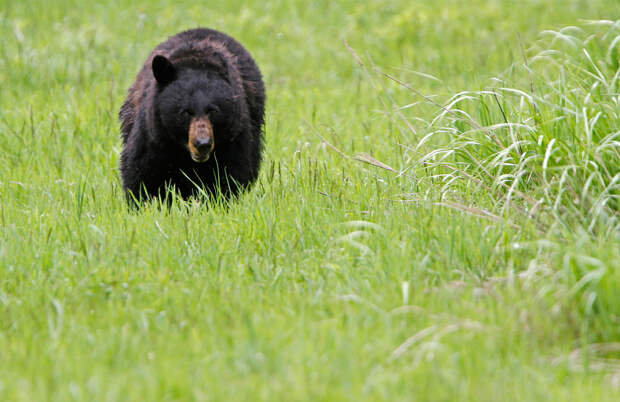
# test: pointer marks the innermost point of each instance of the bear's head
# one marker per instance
(195, 105)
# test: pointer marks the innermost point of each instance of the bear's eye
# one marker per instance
(186, 113)
(213, 109)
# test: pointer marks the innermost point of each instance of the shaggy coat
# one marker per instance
(193, 119)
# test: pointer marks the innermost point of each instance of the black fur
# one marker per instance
(201, 71)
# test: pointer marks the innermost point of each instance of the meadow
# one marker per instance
(436, 216)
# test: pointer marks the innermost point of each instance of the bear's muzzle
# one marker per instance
(201, 141)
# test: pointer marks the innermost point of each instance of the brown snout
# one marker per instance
(201, 142)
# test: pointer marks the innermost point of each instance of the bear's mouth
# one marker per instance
(200, 158)
(200, 143)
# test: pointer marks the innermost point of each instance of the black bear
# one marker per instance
(193, 120)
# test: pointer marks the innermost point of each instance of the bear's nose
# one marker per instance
(203, 145)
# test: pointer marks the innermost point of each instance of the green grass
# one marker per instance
(484, 266)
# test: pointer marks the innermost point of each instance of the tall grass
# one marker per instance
(543, 139)
(539, 148)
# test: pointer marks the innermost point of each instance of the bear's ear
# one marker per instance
(163, 70)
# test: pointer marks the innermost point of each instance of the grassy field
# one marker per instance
(436, 217)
